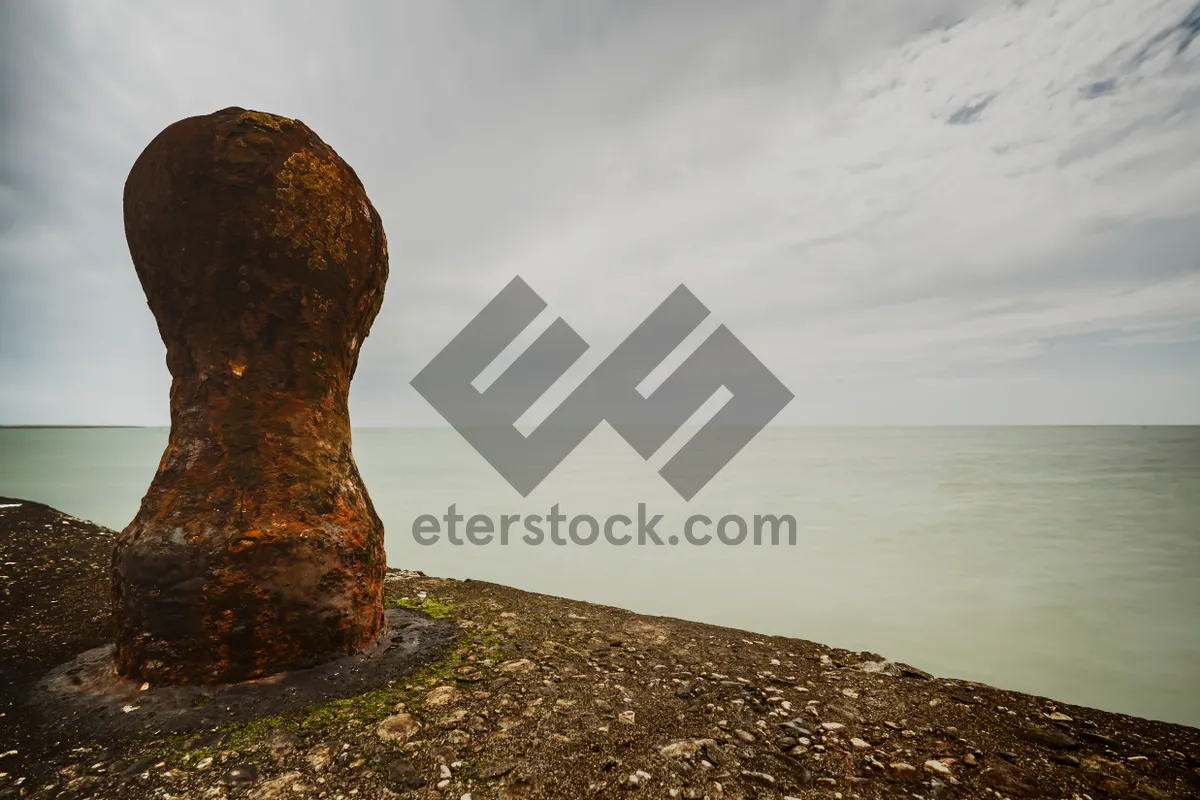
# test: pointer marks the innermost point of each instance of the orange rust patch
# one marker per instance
(313, 214)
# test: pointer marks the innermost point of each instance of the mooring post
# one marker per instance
(256, 547)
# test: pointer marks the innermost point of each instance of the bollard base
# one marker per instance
(85, 697)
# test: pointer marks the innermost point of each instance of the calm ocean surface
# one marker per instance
(1059, 561)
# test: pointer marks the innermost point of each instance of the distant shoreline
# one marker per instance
(896, 426)
(952, 426)
(73, 427)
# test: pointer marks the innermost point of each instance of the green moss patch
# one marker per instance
(435, 608)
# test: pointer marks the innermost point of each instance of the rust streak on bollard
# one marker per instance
(256, 547)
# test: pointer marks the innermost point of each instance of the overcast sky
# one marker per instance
(913, 211)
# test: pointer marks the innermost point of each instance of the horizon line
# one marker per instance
(89, 426)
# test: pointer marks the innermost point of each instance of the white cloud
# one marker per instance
(860, 192)
(882, 230)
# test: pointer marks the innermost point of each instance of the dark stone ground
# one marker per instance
(538, 696)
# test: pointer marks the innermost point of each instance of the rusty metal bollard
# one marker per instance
(256, 547)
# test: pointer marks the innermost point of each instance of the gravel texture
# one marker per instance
(538, 696)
